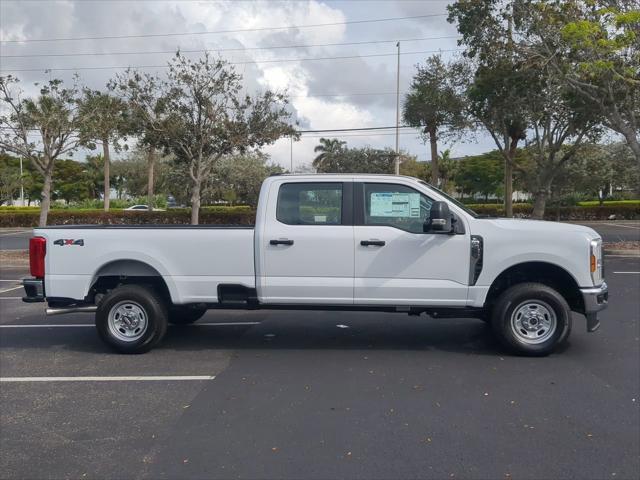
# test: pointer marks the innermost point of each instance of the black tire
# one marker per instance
(185, 315)
(154, 313)
(521, 315)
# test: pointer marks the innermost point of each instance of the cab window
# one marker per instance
(396, 206)
(310, 204)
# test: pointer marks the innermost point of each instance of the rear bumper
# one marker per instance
(595, 299)
(34, 290)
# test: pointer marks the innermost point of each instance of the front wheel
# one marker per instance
(131, 319)
(531, 319)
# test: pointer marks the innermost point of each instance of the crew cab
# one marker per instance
(328, 242)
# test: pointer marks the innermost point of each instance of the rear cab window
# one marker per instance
(317, 203)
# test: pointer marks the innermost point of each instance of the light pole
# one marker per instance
(397, 162)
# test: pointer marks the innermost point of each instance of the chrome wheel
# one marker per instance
(533, 322)
(127, 321)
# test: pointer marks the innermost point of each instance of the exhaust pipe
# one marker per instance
(78, 309)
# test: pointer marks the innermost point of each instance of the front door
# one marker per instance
(395, 262)
(307, 251)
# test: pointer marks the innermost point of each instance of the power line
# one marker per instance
(284, 60)
(234, 49)
(259, 29)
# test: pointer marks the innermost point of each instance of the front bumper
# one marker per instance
(595, 299)
(34, 289)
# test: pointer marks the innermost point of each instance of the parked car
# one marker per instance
(328, 242)
(144, 207)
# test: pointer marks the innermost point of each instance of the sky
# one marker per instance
(325, 93)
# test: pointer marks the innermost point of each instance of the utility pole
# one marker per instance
(397, 162)
(291, 152)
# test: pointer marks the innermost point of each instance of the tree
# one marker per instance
(594, 49)
(104, 120)
(337, 158)
(237, 178)
(205, 117)
(9, 179)
(40, 129)
(70, 182)
(494, 97)
(147, 104)
(328, 150)
(480, 174)
(435, 104)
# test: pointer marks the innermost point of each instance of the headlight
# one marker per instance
(596, 262)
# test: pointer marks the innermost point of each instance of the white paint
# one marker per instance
(636, 273)
(145, 378)
(10, 298)
(14, 281)
(10, 289)
(635, 227)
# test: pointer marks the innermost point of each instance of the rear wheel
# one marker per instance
(531, 319)
(185, 315)
(131, 319)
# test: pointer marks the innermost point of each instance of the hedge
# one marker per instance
(243, 215)
(208, 216)
(621, 212)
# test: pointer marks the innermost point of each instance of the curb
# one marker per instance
(626, 253)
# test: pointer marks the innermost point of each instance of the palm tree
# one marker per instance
(328, 149)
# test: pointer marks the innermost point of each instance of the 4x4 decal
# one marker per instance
(69, 241)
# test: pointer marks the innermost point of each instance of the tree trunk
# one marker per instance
(435, 172)
(540, 203)
(151, 157)
(45, 203)
(107, 162)
(195, 202)
(508, 189)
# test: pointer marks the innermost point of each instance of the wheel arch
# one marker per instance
(546, 273)
(129, 271)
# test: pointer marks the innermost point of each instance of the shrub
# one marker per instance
(219, 216)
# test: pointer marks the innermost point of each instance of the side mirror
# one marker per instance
(439, 220)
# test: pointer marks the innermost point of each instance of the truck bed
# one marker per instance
(192, 259)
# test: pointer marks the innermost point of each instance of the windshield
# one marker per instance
(457, 203)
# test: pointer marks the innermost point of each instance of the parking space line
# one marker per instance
(635, 227)
(14, 281)
(143, 378)
(10, 298)
(84, 325)
(628, 272)
(10, 289)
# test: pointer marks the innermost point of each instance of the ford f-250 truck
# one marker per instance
(328, 242)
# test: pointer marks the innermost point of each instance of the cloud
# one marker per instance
(304, 80)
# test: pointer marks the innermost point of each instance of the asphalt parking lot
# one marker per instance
(319, 395)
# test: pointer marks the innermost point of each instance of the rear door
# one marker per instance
(395, 262)
(307, 244)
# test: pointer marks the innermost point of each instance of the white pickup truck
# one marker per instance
(328, 242)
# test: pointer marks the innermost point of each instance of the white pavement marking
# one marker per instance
(14, 281)
(146, 378)
(10, 289)
(10, 298)
(635, 227)
(84, 325)
(628, 272)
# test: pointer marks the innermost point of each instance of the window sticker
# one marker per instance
(395, 204)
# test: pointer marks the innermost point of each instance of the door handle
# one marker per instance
(375, 243)
(283, 241)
